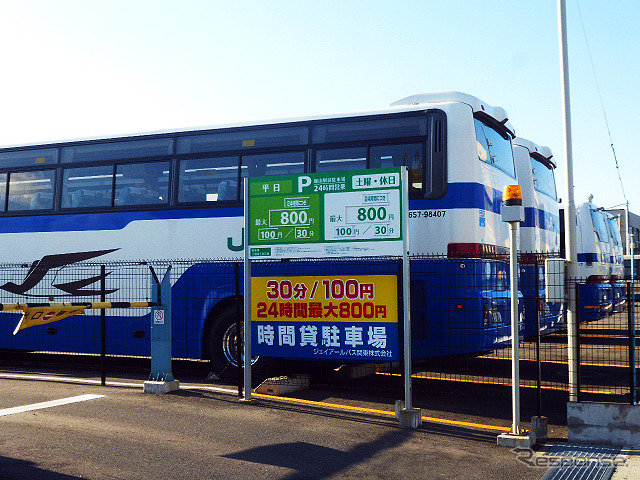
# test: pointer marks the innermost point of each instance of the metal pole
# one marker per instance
(515, 330)
(569, 219)
(631, 306)
(406, 290)
(239, 326)
(103, 327)
(538, 341)
(632, 348)
(628, 229)
(577, 342)
(247, 298)
(633, 266)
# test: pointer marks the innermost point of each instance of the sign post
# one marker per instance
(513, 213)
(247, 300)
(408, 416)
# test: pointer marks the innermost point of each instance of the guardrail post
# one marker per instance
(161, 379)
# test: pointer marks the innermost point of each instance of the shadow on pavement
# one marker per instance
(16, 469)
(316, 462)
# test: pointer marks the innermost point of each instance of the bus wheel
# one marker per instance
(224, 343)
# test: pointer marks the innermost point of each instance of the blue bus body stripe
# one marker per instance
(595, 258)
(106, 220)
(537, 218)
(464, 195)
(459, 196)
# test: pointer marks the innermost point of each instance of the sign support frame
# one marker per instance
(246, 364)
(407, 415)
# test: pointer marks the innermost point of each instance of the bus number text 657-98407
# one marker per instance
(427, 213)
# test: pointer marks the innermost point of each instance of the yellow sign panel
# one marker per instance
(362, 298)
(42, 315)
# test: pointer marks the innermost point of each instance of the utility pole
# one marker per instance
(570, 212)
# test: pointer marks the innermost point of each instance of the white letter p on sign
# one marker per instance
(303, 181)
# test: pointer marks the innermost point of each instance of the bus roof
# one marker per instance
(499, 114)
(540, 153)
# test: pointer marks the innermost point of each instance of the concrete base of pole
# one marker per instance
(160, 387)
(539, 428)
(408, 417)
(510, 440)
(248, 400)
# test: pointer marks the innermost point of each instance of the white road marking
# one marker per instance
(109, 383)
(52, 403)
(17, 376)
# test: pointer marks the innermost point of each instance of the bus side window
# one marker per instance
(341, 159)
(87, 187)
(287, 163)
(31, 190)
(142, 183)
(3, 191)
(208, 180)
(398, 156)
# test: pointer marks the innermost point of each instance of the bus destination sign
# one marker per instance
(330, 214)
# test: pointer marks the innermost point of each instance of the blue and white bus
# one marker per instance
(595, 261)
(176, 195)
(619, 288)
(539, 233)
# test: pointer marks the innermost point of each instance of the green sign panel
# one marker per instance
(326, 214)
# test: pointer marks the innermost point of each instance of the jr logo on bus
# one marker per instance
(40, 268)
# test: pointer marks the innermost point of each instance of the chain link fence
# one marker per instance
(461, 337)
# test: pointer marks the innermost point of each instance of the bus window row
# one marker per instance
(211, 179)
(223, 141)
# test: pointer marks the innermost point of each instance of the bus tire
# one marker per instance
(223, 344)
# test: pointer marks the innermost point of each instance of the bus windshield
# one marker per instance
(494, 149)
(615, 230)
(599, 225)
(543, 178)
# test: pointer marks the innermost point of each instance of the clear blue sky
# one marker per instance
(77, 68)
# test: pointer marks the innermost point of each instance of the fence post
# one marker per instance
(538, 361)
(539, 424)
(632, 345)
(103, 327)
(578, 314)
(161, 379)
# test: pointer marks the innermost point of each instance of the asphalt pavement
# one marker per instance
(118, 432)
